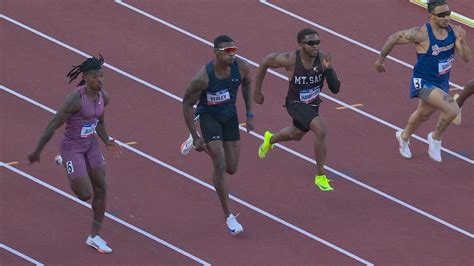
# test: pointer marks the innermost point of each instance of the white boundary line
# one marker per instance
(401, 62)
(383, 194)
(202, 183)
(108, 215)
(361, 112)
(18, 253)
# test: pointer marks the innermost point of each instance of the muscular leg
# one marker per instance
(232, 154)
(468, 91)
(421, 114)
(287, 134)
(318, 126)
(82, 187)
(99, 201)
(449, 108)
(216, 152)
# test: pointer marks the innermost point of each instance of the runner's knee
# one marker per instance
(321, 134)
(423, 116)
(82, 188)
(84, 195)
(100, 189)
(231, 169)
(452, 112)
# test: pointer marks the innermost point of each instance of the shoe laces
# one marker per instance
(232, 219)
(100, 239)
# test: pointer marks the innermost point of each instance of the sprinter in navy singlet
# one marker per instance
(436, 43)
(215, 89)
(307, 68)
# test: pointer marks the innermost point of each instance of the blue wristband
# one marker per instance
(249, 115)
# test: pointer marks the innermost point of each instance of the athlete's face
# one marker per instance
(310, 45)
(440, 16)
(226, 52)
(94, 79)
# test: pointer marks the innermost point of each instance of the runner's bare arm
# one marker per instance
(461, 45)
(273, 60)
(191, 97)
(247, 93)
(101, 129)
(71, 105)
(413, 35)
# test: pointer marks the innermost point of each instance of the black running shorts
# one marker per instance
(222, 127)
(302, 114)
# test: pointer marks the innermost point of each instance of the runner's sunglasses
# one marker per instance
(443, 14)
(312, 43)
(232, 49)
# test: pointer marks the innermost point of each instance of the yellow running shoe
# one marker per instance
(323, 183)
(266, 146)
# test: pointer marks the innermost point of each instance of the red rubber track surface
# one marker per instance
(52, 228)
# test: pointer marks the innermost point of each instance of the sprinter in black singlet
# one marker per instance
(215, 87)
(307, 68)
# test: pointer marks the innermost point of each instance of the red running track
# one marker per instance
(188, 215)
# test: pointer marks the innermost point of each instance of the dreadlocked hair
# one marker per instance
(92, 63)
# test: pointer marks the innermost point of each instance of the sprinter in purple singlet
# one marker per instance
(83, 113)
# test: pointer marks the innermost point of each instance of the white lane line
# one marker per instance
(383, 194)
(348, 106)
(202, 183)
(112, 217)
(18, 253)
(344, 37)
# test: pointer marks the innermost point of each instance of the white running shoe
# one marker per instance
(234, 227)
(434, 148)
(58, 160)
(187, 145)
(98, 243)
(403, 146)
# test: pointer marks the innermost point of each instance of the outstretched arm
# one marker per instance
(191, 97)
(70, 106)
(413, 35)
(273, 60)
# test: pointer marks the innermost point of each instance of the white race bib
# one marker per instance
(218, 97)
(309, 95)
(88, 129)
(445, 65)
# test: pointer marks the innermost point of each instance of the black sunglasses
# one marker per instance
(312, 43)
(443, 14)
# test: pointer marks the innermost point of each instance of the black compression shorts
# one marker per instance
(222, 127)
(302, 114)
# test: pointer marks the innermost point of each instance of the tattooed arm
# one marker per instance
(413, 35)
